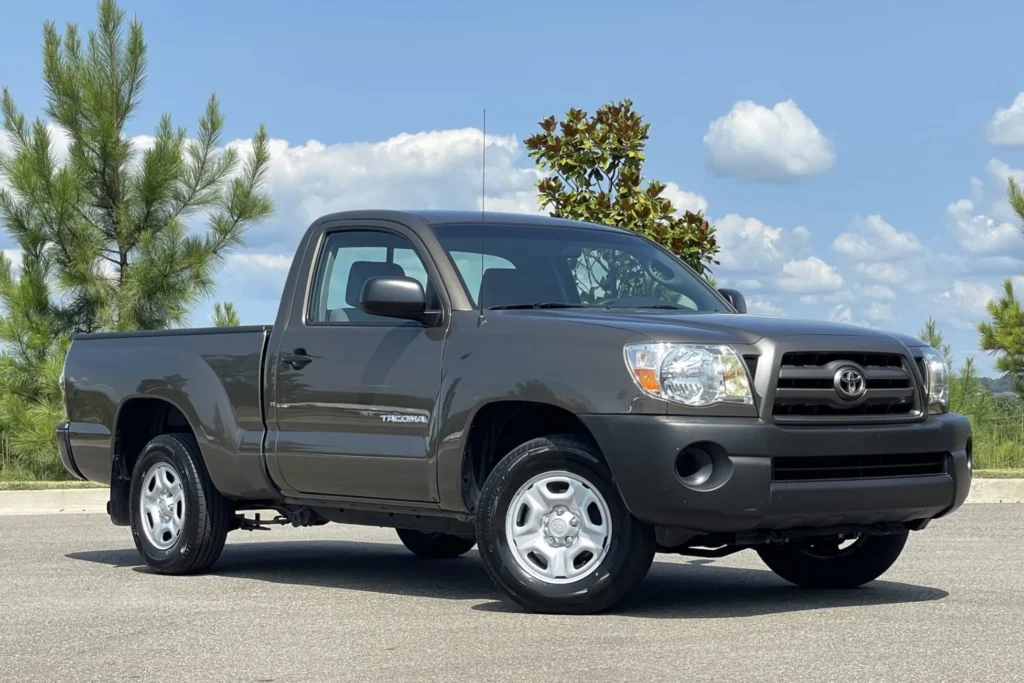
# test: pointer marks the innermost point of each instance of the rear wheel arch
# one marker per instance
(138, 420)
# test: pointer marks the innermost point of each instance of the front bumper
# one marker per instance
(64, 448)
(740, 494)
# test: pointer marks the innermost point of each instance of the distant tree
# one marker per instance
(932, 336)
(102, 229)
(997, 385)
(594, 168)
(965, 388)
(1003, 336)
(225, 315)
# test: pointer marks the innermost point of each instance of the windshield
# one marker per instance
(552, 266)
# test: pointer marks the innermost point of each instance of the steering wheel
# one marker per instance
(650, 265)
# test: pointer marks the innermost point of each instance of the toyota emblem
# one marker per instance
(849, 383)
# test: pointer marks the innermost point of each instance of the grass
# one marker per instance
(40, 485)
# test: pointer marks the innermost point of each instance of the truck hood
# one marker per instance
(727, 328)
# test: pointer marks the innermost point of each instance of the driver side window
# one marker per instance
(347, 260)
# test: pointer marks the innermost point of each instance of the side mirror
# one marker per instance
(736, 299)
(396, 297)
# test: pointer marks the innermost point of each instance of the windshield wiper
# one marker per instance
(667, 307)
(550, 304)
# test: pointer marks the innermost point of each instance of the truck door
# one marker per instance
(353, 395)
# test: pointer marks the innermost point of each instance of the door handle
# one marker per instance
(297, 359)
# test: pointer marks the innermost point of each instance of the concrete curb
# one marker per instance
(996, 491)
(65, 501)
(53, 501)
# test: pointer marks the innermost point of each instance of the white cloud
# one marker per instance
(255, 275)
(880, 312)
(749, 245)
(683, 200)
(760, 306)
(978, 233)
(14, 257)
(1007, 125)
(878, 292)
(968, 297)
(872, 239)
(427, 170)
(883, 272)
(1002, 171)
(841, 314)
(810, 275)
(750, 285)
(774, 145)
(259, 263)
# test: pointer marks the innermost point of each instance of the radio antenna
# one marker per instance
(483, 175)
(483, 215)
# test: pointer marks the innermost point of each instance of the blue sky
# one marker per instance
(845, 152)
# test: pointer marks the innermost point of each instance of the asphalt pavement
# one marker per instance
(343, 603)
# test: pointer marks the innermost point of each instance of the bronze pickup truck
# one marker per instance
(569, 398)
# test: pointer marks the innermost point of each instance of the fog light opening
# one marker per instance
(694, 466)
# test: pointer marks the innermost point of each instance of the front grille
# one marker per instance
(806, 390)
(817, 467)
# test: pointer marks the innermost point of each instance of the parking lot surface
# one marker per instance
(342, 603)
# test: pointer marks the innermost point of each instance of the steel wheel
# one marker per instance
(559, 527)
(162, 505)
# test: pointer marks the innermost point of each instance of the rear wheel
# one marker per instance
(435, 545)
(179, 520)
(553, 532)
(833, 562)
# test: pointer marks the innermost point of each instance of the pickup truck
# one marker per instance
(569, 398)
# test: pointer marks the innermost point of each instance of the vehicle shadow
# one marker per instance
(697, 589)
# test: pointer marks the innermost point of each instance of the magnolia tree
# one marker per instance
(593, 169)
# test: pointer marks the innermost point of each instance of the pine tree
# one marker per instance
(225, 315)
(107, 230)
(1004, 335)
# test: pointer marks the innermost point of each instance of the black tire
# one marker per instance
(435, 545)
(207, 516)
(631, 549)
(821, 565)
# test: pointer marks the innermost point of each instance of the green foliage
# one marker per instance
(1004, 335)
(595, 174)
(225, 315)
(105, 242)
(997, 421)
(935, 339)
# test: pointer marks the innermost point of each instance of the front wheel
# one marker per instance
(833, 562)
(553, 532)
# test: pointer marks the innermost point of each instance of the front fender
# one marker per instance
(577, 368)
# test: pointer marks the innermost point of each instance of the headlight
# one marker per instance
(690, 374)
(936, 379)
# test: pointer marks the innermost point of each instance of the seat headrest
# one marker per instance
(364, 270)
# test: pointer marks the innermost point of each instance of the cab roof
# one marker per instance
(430, 217)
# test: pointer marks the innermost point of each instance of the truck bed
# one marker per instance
(212, 376)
